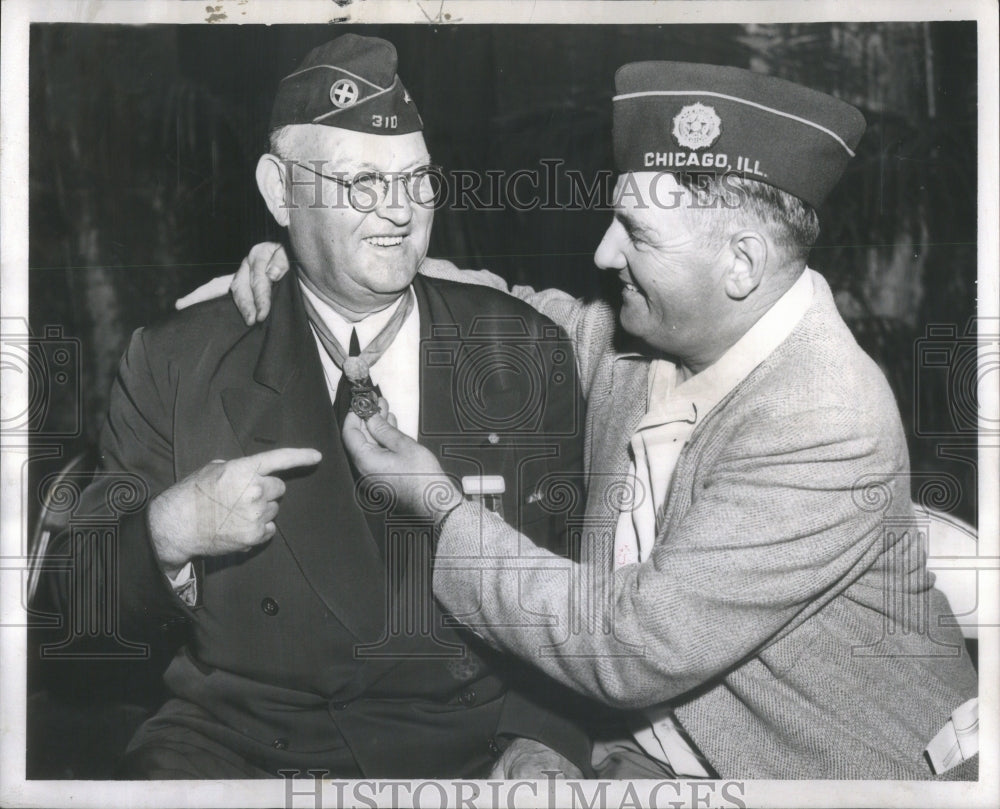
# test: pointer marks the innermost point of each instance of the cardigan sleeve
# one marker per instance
(772, 534)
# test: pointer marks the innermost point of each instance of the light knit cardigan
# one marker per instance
(786, 609)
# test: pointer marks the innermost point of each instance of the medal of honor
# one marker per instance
(364, 399)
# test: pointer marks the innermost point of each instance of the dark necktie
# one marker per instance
(342, 401)
(341, 407)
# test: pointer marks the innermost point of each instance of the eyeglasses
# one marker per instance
(368, 189)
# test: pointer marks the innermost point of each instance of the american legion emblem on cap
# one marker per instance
(696, 126)
(685, 117)
(350, 83)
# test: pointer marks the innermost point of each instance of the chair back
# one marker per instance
(952, 551)
(52, 519)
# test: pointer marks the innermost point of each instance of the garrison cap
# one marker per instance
(349, 82)
(685, 117)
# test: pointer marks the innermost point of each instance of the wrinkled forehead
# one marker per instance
(344, 150)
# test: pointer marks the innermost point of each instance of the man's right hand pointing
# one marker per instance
(225, 506)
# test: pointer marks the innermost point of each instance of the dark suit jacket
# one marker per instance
(307, 651)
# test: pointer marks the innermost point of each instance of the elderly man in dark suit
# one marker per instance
(313, 641)
(763, 604)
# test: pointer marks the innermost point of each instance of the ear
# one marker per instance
(749, 250)
(272, 187)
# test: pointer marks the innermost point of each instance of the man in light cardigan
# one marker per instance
(764, 609)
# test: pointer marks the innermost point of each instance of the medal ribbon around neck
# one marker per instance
(364, 400)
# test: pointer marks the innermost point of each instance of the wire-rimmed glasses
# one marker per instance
(368, 189)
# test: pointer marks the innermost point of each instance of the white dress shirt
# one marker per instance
(677, 403)
(396, 372)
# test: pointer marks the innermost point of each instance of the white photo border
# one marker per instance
(16, 17)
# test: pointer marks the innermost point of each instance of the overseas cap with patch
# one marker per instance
(685, 117)
(350, 83)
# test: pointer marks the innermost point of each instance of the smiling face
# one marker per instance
(361, 261)
(673, 293)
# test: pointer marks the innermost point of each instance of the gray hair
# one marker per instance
(732, 201)
(280, 141)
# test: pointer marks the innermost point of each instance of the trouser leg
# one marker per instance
(166, 746)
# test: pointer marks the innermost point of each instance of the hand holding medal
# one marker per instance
(364, 398)
(377, 448)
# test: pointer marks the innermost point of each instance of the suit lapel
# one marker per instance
(437, 416)
(447, 321)
(287, 405)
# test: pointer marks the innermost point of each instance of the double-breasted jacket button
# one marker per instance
(269, 606)
(280, 743)
(340, 705)
(467, 697)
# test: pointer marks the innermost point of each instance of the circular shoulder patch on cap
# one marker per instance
(696, 126)
(344, 93)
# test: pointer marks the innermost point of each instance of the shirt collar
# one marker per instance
(368, 327)
(672, 397)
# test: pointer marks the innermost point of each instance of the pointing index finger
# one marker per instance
(283, 458)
